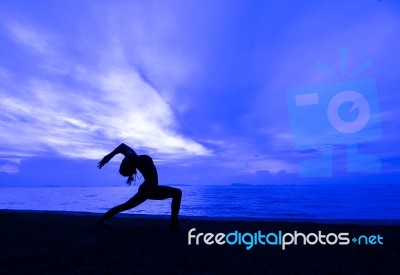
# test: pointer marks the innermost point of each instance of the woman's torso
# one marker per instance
(146, 167)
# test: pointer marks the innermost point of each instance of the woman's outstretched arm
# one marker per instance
(121, 149)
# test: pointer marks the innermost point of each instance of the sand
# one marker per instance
(48, 242)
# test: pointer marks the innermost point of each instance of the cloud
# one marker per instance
(99, 106)
(167, 82)
(28, 36)
(11, 166)
(239, 157)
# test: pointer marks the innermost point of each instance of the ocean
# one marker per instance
(304, 202)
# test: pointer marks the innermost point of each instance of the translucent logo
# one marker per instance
(338, 113)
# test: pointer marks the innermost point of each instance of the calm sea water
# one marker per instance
(262, 201)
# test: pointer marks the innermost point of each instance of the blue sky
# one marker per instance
(198, 85)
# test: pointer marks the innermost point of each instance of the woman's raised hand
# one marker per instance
(104, 161)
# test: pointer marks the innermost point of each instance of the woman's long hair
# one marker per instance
(128, 169)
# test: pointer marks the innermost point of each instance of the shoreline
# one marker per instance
(392, 222)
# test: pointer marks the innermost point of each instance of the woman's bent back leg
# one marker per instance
(131, 203)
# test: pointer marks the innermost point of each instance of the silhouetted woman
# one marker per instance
(149, 189)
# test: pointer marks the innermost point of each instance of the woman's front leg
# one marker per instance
(165, 192)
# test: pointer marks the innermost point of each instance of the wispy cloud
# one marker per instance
(39, 42)
(11, 166)
(102, 104)
(170, 83)
(239, 157)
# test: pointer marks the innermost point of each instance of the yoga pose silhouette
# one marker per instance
(149, 189)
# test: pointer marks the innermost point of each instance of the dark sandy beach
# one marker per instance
(45, 242)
